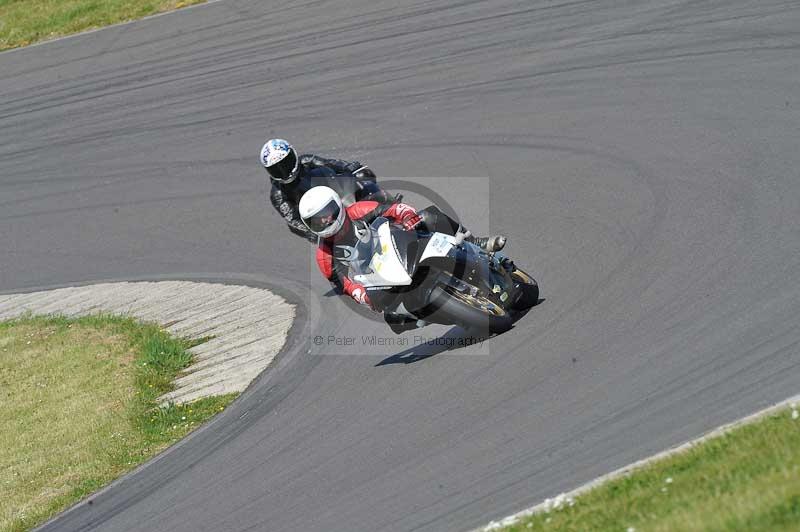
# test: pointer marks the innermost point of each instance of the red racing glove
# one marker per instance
(411, 222)
(403, 214)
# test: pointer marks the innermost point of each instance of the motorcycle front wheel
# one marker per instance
(475, 313)
(529, 288)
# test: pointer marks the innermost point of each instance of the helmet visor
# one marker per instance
(324, 218)
(283, 169)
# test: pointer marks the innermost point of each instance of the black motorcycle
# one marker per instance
(439, 278)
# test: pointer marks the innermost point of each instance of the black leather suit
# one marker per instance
(315, 171)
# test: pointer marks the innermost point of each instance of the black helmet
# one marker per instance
(280, 160)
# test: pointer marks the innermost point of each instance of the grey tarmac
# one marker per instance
(642, 158)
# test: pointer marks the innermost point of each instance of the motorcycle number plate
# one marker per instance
(440, 244)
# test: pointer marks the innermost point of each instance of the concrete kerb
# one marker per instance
(267, 388)
(246, 338)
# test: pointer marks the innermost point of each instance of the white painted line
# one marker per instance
(565, 498)
(249, 325)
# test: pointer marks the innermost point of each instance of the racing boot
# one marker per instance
(489, 244)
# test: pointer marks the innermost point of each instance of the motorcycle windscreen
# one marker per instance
(386, 268)
(410, 245)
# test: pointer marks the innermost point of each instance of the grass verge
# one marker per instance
(79, 408)
(23, 22)
(744, 480)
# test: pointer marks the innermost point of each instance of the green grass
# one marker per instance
(23, 22)
(79, 408)
(745, 480)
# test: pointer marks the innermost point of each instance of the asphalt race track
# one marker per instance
(642, 158)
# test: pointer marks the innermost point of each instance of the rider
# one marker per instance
(321, 210)
(291, 178)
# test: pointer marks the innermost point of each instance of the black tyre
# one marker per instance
(476, 313)
(529, 288)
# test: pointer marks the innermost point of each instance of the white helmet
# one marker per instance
(280, 160)
(322, 211)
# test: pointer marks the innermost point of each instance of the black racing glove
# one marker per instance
(365, 172)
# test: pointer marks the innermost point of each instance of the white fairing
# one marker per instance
(439, 245)
(387, 268)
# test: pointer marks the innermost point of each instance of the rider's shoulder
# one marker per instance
(309, 158)
(359, 209)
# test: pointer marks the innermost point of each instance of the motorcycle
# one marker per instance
(439, 278)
